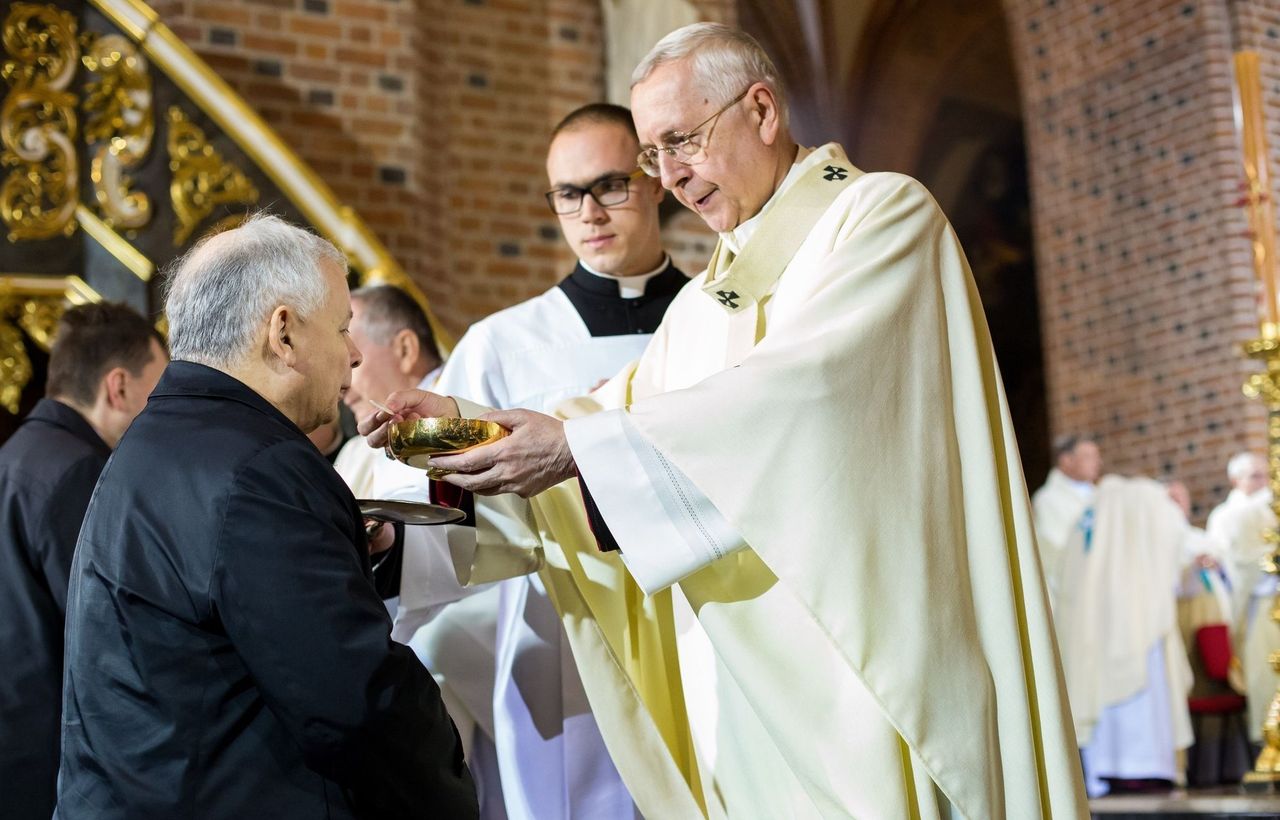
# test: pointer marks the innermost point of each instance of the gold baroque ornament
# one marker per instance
(38, 123)
(202, 179)
(15, 367)
(33, 303)
(118, 119)
(39, 318)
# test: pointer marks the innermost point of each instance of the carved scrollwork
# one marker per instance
(39, 318)
(38, 123)
(119, 119)
(31, 305)
(202, 179)
(15, 367)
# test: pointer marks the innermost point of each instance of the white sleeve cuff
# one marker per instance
(667, 529)
(469, 409)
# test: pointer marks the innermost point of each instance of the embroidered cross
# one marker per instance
(834, 172)
(726, 297)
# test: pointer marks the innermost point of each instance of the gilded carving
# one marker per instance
(118, 119)
(15, 367)
(34, 304)
(39, 318)
(202, 179)
(38, 123)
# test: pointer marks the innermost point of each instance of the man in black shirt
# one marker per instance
(105, 361)
(227, 653)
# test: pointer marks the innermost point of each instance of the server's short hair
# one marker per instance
(92, 340)
(597, 113)
(389, 310)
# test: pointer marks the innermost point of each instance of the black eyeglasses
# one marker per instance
(608, 192)
(686, 148)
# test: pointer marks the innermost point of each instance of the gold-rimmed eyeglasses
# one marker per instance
(608, 191)
(685, 147)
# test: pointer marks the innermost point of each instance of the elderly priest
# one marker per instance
(815, 455)
(227, 655)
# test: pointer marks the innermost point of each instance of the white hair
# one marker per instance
(1241, 464)
(725, 61)
(219, 292)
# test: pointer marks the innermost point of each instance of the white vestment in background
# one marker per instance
(1241, 521)
(1127, 672)
(1058, 506)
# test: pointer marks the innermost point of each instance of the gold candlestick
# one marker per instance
(1261, 209)
(1265, 776)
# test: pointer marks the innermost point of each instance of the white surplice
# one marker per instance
(441, 619)
(553, 761)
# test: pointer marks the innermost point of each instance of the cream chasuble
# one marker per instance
(883, 645)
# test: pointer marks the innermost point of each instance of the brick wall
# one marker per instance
(430, 118)
(1145, 280)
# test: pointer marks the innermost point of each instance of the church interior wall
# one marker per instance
(1145, 274)
(430, 118)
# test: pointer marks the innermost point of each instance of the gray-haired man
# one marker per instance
(227, 654)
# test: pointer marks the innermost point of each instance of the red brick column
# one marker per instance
(428, 116)
(1145, 279)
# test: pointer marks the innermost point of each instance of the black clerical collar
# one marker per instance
(607, 313)
(629, 287)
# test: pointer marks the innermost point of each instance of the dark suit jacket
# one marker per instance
(47, 472)
(227, 655)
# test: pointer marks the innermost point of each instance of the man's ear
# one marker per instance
(114, 385)
(764, 106)
(279, 342)
(407, 348)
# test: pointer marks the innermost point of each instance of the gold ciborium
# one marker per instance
(415, 441)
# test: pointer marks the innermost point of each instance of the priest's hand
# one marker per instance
(533, 458)
(405, 405)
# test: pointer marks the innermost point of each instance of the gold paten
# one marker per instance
(120, 121)
(202, 179)
(38, 123)
(415, 441)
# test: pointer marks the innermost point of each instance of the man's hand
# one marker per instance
(534, 457)
(404, 405)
